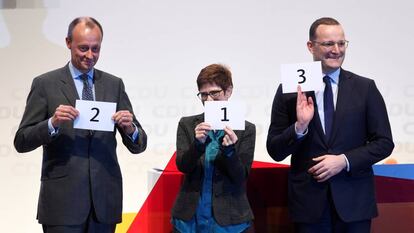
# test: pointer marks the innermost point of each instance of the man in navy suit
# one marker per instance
(334, 137)
(81, 182)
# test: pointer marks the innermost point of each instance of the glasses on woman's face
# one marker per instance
(213, 94)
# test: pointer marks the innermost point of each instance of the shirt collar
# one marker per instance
(334, 75)
(77, 73)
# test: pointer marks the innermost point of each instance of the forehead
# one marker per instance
(209, 87)
(330, 32)
(83, 33)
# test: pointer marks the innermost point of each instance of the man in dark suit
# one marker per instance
(81, 183)
(331, 181)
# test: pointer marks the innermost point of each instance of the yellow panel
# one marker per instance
(127, 219)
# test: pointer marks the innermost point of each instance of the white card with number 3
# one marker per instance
(95, 115)
(225, 113)
(308, 75)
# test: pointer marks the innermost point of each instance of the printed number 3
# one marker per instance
(97, 113)
(302, 75)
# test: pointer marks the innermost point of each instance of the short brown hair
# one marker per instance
(215, 74)
(321, 21)
(89, 21)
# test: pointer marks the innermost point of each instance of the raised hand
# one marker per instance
(304, 111)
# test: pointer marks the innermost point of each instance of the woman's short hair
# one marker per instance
(215, 74)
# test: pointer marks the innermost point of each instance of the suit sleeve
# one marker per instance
(141, 142)
(33, 129)
(238, 165)
(282, 139)
(189, 152)
(379, 144)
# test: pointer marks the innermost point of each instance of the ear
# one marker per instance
(309, 44)
(68, 42)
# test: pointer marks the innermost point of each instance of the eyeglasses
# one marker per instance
(330, 44)
(213, 94)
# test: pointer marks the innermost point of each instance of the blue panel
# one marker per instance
(403, 171)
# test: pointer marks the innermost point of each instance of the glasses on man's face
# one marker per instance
(329, 44)
(213, 94)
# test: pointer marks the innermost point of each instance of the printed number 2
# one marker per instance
(302, 76)
(225, 114)
(97, 113)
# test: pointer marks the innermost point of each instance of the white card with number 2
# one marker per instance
(95, 115)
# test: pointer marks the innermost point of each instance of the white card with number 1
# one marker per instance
(95, 115)
(225, 113)
(308, 75)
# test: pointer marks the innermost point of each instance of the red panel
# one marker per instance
(391, 189)
(154, 216)
(267, 192)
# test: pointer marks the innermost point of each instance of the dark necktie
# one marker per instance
(328, 106)
(87, 89)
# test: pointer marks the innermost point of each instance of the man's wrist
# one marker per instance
(52, 130)
(131, 129)
(134, 135)
(301, 130)
(347, 166)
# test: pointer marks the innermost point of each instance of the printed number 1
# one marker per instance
(97, 113)
(302, 76)
(225, 114)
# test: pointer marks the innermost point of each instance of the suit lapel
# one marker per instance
(69, 89)
(68, 86)
(197, 120)
(317, 125)
(99, 87)
(344, 90)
